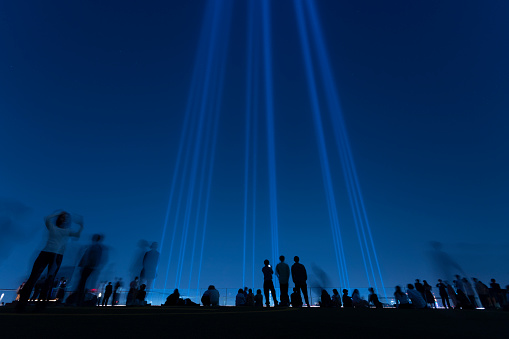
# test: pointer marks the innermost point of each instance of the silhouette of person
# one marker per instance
(452, 294)
(401, 298)
(173, 298)
(357, 301)
(51, 255)
(91, 261)
(139, 299)
(108, 290)
(416, 297)
(347, 300)
(150, 260)
(258, 298)
(250, 298)
(325, 300)
(134, 287)
(299, 277)
(469, 291)
(373, 298)
(116, 292)
(420, 288)
(210, 297)
(442, 290)
(283, 274)
(483, 292)
(296, 299)
(496, 293)
(336, 298)
(462, 300)
(428, 296)
(240, 299)
(268, 285)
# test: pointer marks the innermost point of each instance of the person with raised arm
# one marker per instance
(268, 285)
(58, 226)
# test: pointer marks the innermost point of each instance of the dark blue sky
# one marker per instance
(92, 103)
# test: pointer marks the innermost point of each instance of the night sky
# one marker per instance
(93, 99)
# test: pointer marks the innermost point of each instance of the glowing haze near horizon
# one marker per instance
(93, 109)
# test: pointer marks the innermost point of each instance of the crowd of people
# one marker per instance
(461, 294)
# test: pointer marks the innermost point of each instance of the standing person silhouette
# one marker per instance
(116, 292)
(107, 293)
(51, 255)
(149, 270)
(299, 277)
(268, 284)
(283, 274)
(91, 261)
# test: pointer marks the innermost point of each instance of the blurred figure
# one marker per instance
(442, 290)
(295, 298)
(250, 298)
(210, 297)
(336, 298)
(134, 287)
(37, 289)
(443, 262)
(415, 297)
(108, 290)
(116, 292)
(268, 285)
(402, 301)
(483, 293)
(496, 293)
(458, 284)
(325, 300)
(299, 277)
(62, 285)
(240, 299)
(258, 298)
(283, 274)
(428, 296)
(150, 260)
(420, 288)
(140, 296)
(463, 301)
(373, 298)
(469, 291)
(347, 300)
(18, 291)
(452, 294)
(52, 254)
(357, 301)
(91, 261)
(139, 254)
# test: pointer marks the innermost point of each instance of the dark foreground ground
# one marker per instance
(231, 322)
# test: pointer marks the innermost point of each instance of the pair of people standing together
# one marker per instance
(299, 277)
